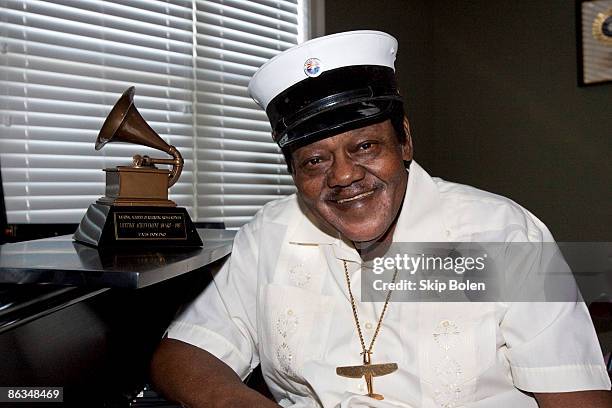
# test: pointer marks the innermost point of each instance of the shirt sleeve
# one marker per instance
(552, 347)
(222, 319)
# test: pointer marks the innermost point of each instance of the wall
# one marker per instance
(493, 97)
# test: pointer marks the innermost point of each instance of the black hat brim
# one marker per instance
(336, 120)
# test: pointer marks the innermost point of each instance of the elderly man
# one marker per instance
(286, 300)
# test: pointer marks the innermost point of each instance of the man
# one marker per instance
(285, 299)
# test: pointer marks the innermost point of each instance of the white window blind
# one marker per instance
(238, 168)
(64, 63)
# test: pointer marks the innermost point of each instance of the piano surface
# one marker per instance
(61, 261)
(89, 320)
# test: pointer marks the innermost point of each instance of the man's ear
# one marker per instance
(407, 151)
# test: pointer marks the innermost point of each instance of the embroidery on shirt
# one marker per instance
(449, 372)
(448, 396)
(286, 326)
(299, 276)
(446, 334)
(285, 357)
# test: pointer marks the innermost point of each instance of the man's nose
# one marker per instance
(344, 171)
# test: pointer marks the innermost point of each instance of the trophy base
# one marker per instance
(137, 226)
(134, 202)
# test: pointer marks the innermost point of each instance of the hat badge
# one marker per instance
(312, 67)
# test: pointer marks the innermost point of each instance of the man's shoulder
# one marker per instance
(469, 195)
(280, 212)
(472, 211)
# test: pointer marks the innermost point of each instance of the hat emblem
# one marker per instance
(312, 67)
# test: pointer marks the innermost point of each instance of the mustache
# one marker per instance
(339, 193)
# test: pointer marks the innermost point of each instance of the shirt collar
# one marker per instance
(422, 216)
(307, 230)
(420, 219)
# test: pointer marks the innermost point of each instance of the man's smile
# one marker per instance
(355, 197)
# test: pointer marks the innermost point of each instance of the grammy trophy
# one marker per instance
(135, 210)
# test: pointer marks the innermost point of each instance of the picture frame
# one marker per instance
(594, 41)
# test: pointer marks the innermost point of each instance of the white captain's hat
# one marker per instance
(328, 85)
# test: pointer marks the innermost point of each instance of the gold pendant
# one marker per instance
(368, 371)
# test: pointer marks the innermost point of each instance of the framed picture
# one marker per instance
(594, 26)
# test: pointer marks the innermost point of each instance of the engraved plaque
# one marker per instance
(147, 226)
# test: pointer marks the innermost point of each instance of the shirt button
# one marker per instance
(368, 326)
(448, 233)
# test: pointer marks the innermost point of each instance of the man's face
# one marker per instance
(354, 181)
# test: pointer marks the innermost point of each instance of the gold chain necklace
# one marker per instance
(367, 370)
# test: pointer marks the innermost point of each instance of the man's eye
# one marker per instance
(365, 146)
(313, 161)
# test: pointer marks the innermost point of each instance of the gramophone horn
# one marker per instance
(125, 124)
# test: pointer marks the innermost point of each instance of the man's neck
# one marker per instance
(372, 249)
(378, 247)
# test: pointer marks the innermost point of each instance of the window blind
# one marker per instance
(239, 169)
(64, 63)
